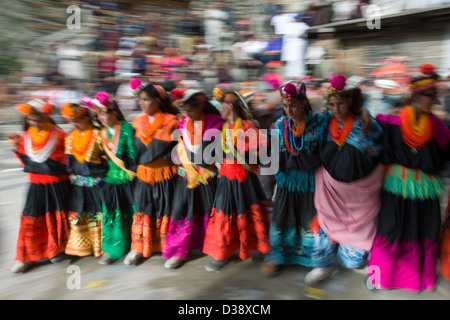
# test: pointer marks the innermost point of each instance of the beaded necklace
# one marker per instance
(339, 135)
(415, 133)
(291, 136)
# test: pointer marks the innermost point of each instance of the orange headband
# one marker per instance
(72, 111)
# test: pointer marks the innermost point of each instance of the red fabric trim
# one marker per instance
(42, 237)
(228, 233)
(148, 234)
(235, 171)
(46, 179)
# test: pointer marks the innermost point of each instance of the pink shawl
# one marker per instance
(347, 212)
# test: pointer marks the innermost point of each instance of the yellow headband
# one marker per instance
(423, 84)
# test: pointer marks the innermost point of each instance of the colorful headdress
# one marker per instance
(89, 103)
(421, 84)
(73, 111)
(177, 95)
(337, 84)
(428, 79)
(162, 93)
(36, 105)
(291, 91)
(228, 96)
(136, 85)
(100, 103)
(233, 96)
(217, 93)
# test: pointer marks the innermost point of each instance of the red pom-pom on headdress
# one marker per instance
(337, 83)
(47, 108)
(103, 97)
(177, 93)
(135, 85)
(427, 69)
(101, 102)
(291, 91)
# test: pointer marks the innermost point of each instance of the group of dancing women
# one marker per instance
(352, 190)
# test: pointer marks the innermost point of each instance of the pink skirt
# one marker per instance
(347, 212)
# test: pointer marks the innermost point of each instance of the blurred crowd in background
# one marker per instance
(250, 46)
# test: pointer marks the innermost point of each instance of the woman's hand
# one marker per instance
(14, 138)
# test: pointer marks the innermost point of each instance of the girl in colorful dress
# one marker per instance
(155, 171)
(195, 184)
(44, 230)
(87, 165)
(348, 185)
(300, 135)
(239, 220)
(117, 192)
(415, 145)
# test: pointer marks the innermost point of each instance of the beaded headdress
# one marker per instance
(100, 103)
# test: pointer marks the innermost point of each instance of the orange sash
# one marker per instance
(146, 130)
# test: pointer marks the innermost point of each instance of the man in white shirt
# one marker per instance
(214, 24)
(294, 48)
